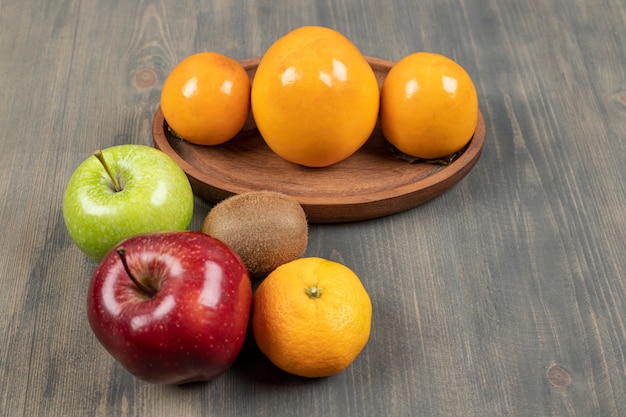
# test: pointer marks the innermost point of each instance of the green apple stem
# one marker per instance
(150, 292)
(98, 154)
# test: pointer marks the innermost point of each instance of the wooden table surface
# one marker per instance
(505, 296)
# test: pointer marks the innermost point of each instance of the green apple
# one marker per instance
(123, 191)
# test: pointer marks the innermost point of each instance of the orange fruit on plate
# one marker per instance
(206, 98)
(429, 106)
(311, 317)
(315, 98)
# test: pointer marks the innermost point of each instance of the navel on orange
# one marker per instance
(315, 98)
(206, 98)
(311, 317)
(429, 106)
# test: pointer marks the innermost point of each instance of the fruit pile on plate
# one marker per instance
(316, 100)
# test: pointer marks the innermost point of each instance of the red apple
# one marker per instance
(171, 307)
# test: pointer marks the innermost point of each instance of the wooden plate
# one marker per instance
(371, 183)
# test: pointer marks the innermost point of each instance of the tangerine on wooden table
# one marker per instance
(315, 98)
(429, 106)
(311, 317)
(206, 98)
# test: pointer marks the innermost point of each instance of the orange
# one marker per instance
(206, 98)
(311, 317)
(429, 106)
(315, 98)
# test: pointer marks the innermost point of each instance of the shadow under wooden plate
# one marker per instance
(371, 183)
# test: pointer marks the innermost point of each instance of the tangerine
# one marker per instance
(311, 317)
(429, 106)
(315, 98)
(206, 98)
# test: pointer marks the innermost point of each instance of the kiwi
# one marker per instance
(266, 228)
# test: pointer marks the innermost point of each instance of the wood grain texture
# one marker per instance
(505, 296)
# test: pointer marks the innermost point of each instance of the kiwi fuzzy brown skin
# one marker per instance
(266, 228)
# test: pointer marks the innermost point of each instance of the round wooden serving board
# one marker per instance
(371, 183)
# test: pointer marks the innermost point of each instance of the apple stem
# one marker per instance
(98, 154)
(150, 292)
